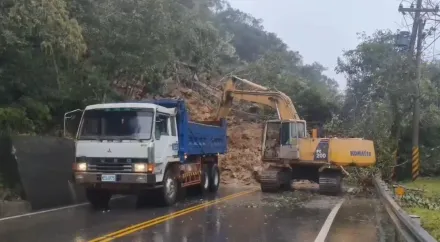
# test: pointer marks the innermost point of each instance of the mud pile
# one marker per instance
(244, 152)
(244, 146)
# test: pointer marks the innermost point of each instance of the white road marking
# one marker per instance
(50, 210)
(328, 222)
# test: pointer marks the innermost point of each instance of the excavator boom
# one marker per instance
(277, 100)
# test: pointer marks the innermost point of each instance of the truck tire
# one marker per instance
(205, 183)
(168, 192)
(98, 198)
(214, 178)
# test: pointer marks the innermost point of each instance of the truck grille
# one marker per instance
(110, 165)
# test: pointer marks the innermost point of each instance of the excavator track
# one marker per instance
(269, 180)
(274, 180)
(330, 182)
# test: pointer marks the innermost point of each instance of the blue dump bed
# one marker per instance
(197, 137)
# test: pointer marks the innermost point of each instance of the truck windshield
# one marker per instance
(117, 123)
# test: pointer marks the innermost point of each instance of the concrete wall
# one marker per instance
(42, 166)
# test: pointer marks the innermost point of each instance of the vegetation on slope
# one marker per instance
(57, 55)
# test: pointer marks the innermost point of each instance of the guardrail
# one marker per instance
(406, 227)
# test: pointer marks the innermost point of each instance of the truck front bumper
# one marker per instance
(135, 179)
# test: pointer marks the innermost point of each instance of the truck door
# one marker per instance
(161, 138)
(174, 143)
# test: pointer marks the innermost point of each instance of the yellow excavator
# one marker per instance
(291, 152)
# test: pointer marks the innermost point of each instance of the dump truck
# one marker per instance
(289, 150)
(144, 147)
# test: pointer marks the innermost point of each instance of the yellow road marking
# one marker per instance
(152, 222)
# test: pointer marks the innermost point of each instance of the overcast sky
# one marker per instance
(321, 30)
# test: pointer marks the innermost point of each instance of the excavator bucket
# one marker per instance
(41, 168)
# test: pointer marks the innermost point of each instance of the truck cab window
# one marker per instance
(301, 128)
(173, 126)
(91, 126)
(116, 123)
(162, 125)
(285, 138)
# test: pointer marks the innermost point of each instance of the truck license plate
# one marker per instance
(108, 178)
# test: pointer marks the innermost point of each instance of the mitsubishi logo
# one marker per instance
(109, 151)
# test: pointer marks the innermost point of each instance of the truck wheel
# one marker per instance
(214, 178)
(205, 183)
(98, 198)
(168, 192)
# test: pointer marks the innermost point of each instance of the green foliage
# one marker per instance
(422, 198)
(59, 55)
(429, 219)
(14, 120)
(415, 200)
(379, 99)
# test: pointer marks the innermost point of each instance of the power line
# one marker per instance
(432, 42)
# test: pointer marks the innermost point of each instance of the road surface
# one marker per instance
(234, 214)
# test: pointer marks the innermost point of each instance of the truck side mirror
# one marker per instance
(69, 116)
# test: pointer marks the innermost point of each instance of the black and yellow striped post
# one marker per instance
(415, 163)
(394, 170)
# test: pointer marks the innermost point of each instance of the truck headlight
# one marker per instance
(81, 166)
(140, 167)
(143, 167)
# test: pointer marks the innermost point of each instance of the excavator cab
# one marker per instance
(281, 139)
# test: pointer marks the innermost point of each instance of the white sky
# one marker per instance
(321, 30)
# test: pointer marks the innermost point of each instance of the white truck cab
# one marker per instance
(128, 148)
(117, 138)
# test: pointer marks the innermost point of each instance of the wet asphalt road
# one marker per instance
(290, 216)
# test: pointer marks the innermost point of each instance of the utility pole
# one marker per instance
(415, 24)
(416, 114)
(417, 33)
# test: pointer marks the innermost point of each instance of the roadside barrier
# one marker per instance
(408, 230)
(42, 168)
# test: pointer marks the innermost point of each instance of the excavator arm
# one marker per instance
(277, 100)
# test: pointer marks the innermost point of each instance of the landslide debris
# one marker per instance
(244, 137)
